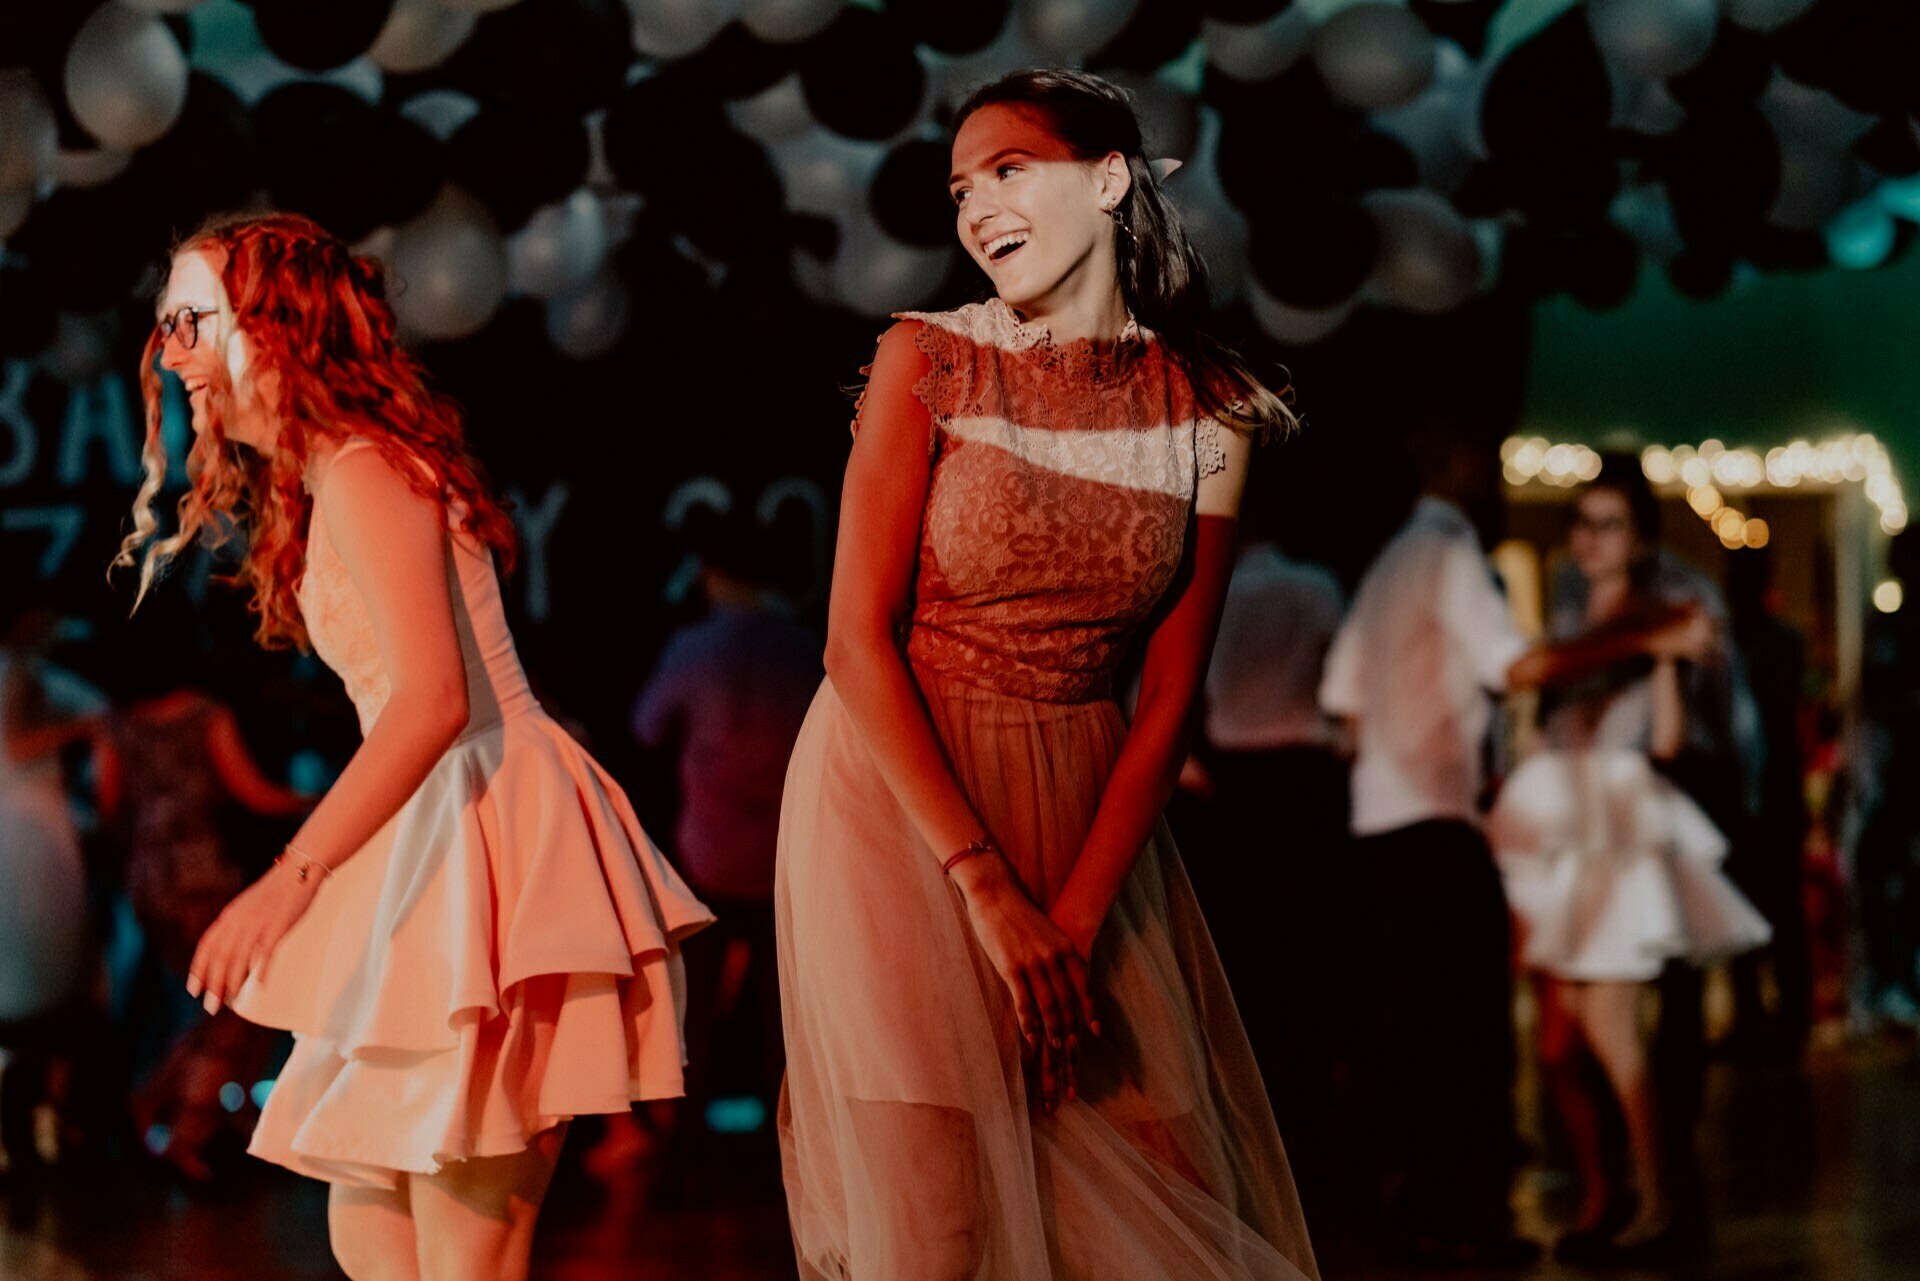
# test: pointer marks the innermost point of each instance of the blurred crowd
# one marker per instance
(1420, 880)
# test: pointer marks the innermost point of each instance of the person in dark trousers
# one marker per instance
(1427, 643)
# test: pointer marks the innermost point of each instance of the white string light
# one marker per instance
(1711, 473)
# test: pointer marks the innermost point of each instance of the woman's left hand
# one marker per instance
(245, 933)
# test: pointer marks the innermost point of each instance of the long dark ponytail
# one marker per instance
(1162, 278)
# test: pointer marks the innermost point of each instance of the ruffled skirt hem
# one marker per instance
(501, 956)
(1612, 871)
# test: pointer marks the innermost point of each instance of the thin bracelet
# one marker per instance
(307, 863)
(981, 846)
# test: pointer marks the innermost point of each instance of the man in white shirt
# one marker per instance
(1427, 644)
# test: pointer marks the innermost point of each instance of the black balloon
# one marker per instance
(1462, 21)
(1779, 249)
(1551, 91)
(1861, 50)
(950, 27)
(565, 56)
(725, 208)
(349, 165)
(28, 315)
(1153, 37)
(1486, 191)
(207, 163)
(97, 243)
(517, 158)
(1735, 71)
(319, 37)
(1241, 11)
(736, 63)
(1562, 187)
(909, 195)
(1314, 252)
(1282, 137)
(813, 234)
(1603, 265)
(1701, 274)
(861, 76)
(648, 158)
(1891, 148)
(1721, 170)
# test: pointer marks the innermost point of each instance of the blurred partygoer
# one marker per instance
(1428, 641)
(170, 767)
(44, 934)
(1886, 804)
(1716, 765)
(1769, 861)
(726, 699)
(1613, 871)
(1011, 1051)
(1268, 853)
(470, 937)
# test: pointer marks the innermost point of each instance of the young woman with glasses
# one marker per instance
(470, 937)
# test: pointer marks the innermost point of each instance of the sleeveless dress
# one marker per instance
(1061, 497)
(502, 955)
(1611, 870)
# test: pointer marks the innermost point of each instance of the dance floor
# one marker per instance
(1812, 1177)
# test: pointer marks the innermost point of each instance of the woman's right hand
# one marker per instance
(1043, 970)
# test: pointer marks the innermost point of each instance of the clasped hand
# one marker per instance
(1045, 971)
(243, 936)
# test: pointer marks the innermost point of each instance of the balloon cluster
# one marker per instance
(1405, 154)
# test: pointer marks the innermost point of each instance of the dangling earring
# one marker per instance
(1113, 211)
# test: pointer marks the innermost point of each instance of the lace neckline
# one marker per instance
(1093, 358)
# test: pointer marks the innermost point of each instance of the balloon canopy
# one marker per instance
(1398, 155)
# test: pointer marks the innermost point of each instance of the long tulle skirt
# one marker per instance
(911, 1147)
(502, 955)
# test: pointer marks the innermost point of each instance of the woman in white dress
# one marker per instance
(1611, 870)
(470, 937)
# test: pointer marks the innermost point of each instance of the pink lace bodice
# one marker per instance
(1056, 516)
(342, 632)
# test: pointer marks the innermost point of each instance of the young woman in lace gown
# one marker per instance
(1011, 1050)
(470, 936)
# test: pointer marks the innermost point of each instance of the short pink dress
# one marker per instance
(501, 956)
(1062, 493)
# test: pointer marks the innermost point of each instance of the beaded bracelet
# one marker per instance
(307, 863)
(981, 846)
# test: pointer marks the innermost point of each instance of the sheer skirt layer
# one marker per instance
(909, 1146)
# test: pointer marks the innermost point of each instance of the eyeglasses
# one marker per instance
(185, 322)
(1602, 525)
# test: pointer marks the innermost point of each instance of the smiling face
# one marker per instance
(208, 351)
(1029, 212)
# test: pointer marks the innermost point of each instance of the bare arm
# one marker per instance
(1150, 760)
(881, 512)
(880, 516)
(393, 543)
(1669, 711)
(242, 776)
(1682, 633)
